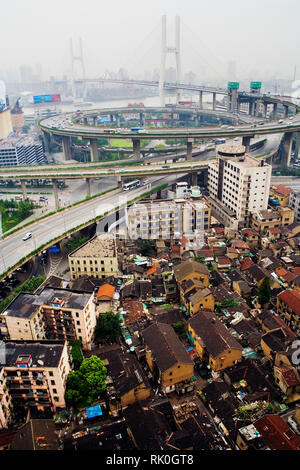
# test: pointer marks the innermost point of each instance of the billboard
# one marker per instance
(46, 99)
(233, 85)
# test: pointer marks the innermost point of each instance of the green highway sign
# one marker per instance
(255, 84)
(233, 85)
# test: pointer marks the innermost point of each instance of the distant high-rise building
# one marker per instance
(21, 151)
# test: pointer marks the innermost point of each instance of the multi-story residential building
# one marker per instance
(33, 376)
(294, 203)
(96, 258)
(52, 314)
(21, 151)
(264, 220)
(238, 185)
(169, 219)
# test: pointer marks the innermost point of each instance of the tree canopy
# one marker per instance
(85, 386)
(108, 328)
(264, 292)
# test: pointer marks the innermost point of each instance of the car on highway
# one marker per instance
(280, 121)
(43, 198)
(27, 236)
(261, 123)
(166, 166)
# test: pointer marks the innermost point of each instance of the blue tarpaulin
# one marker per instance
(94, 411)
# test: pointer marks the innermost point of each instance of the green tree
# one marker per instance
(180, 328)
(146, 247)
(264, 292)
(108, 328)
(85, 386)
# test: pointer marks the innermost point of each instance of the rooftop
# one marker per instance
(42, 354)
(102, 246)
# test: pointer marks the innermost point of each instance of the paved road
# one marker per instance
(13, 248)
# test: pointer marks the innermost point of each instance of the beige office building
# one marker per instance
(96, 258)
(169, 219)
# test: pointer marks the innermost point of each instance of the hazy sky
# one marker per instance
(261, 36)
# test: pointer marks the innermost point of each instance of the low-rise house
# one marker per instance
(287, 378)
(213, 341)
(281, 193)
(274, 341)
(126, 381)
(288, 304)
(170, 364)
(250, 236)
(276, 434)
(202, 299)
(191, 269)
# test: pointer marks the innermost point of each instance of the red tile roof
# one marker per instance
(281, 189)
(276, 434)
(281, 271)
(246, 264)
(290, 376)
(292, 299)
(106, 290)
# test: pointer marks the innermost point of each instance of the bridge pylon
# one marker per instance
(164, 51)
(77, 58)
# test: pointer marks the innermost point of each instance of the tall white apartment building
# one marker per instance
(238, 185)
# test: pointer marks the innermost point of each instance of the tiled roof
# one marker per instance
(292, 299)
(276, 434)
(106, 290)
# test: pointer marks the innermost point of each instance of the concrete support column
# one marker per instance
(24, 190)
(246, 142)
(55, 191)
(214, 101)
(251, 108)
(142, 119)
(119, 180)
(274, 111)
(94, 150)
(46, 138)
(287, 149)
(297, 144)
(194, 178)
(85, 120)
(88, 187)
(285, 111)
(136, 144)
(189, 148)
(94, 120)
(201, 99)
(118, 120)
(66, 144)
(266, 109)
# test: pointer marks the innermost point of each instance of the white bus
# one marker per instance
(131, 185)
